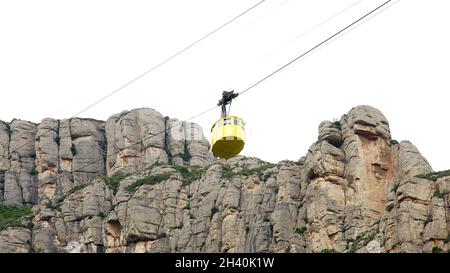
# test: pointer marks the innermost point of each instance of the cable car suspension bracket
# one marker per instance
(227, 97)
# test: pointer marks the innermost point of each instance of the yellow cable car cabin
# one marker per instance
(228, 133)
(228, 137)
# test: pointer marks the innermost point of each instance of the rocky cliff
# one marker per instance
(139, 183)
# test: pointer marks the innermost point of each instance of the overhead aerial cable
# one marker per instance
(228, 133)
(324, 42)
(228, 96)
(150, 70)
(316, 26)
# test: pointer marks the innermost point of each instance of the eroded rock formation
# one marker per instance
(356, 190)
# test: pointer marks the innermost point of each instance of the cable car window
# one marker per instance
(226, 121)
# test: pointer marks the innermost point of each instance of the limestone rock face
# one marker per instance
(368, 121)
(164, 140)
(211, 214)
(88, 148)
(187, 144)
(444, 185)
(126, 154)
(74, 224)
(47, 157)
(370, 166)
(355, 190)
(19, 180)
(47, 160)
(176, 141)
(4, 146)
(415, 221)
(15, 240)
(68, 153)
(322, 160)
(410, 161)
(330, 132)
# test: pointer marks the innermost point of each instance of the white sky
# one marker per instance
(57, 57)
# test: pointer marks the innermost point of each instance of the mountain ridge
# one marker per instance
(356, 190)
